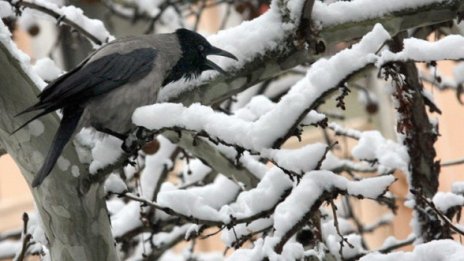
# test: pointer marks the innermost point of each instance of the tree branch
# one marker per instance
(419, 138)
(209, 222)
(59, 18)
(26, 239)
(274, 62)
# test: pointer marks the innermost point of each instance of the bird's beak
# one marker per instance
(216, 51)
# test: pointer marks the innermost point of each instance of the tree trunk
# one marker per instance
(73, 211)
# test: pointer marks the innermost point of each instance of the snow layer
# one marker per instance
(444, 250)
(446, 200)
(299, 160)
(201, 202)
(164, 237)
(449, 47)
(353, 11)
(333, 243)
(339, 130)
(328, 227)
(258, 106)
(311, 187)
(115, 184)
(373, 146)
(106, 151)
(94, 26)
(271, 187)
(9, 248)
(264, 249)
(23, 59)
(203, 256)
(154, 167)
(458, 73)
(230, 235)
(126, 219)
(34, 227)
(195, 171)
(47, 69)
(458, 187)
(332, 162)
(5, 9)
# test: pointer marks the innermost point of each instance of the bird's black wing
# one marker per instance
(100, 76)
(92, 79)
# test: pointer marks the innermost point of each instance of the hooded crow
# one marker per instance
(104, 90)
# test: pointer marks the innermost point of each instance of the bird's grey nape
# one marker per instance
(195, 48)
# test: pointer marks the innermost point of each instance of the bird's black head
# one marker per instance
(193, 62)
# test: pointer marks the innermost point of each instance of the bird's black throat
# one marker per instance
(184, 68)
(193, 59)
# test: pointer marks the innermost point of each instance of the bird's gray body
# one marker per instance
(105, 89)
(113, 110)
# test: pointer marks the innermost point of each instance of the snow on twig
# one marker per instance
(92, 29)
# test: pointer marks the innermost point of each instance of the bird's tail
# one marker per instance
(66, 129)
(29, 121)
(46, 107)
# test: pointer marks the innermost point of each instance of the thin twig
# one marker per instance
(26, 239)
(233, 221)
(59, 18)
(213, 233)
(387, 249)
(346, 132)
(438, 212)
(199, 14)
(151, 25)
(226, 17)
(452, 163)
(356, 220)
(399, 244)
(240, 241)
(11, 234)
(335, 220)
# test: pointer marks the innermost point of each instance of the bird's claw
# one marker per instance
(130, 145)
(136, 139)
(143, 134)
(130, 162)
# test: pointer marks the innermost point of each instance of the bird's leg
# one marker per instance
(112, 133)
(136, 139)
(130, 146)
(144, 134)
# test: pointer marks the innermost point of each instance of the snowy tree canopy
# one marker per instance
(221, 164)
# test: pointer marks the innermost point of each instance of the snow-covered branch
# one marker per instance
(290, 110)
(92, 29)
(268, 59)
(225, 164)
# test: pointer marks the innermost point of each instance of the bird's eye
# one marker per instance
(201, 48)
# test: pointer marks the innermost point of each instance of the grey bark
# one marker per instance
(217, 160)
